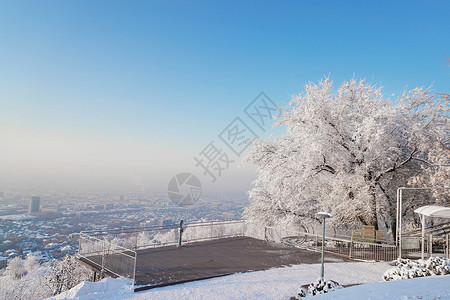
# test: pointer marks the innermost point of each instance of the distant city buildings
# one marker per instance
(2, 196)
(108, 206)
(165, 222)
(35, 204)
(61, 216)
(228, 215)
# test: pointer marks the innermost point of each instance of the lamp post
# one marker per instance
(323, 216)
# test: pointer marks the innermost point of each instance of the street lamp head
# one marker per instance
(323, 215)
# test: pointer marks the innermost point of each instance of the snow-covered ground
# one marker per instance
(279, 283)
(424, 288)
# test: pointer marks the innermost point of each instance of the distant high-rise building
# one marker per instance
(121, 197)
(35, 204)
(2, 196)
(108, 206)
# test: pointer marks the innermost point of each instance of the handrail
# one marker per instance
(342, 238)
(115, 245)
(103, 246)
(158, 227)
(346, 247)
(107, 249)
(419, 230)
(122, 244)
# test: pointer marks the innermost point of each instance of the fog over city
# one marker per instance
(55, 159)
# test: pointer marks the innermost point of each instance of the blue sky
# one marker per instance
(140, 87)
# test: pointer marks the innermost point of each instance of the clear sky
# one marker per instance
(119, 93)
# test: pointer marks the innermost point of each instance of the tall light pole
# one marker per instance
(323, 216)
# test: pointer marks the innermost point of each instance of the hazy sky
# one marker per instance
(123, 94)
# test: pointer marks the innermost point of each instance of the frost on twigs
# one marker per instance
(319, 287)
(411, 269)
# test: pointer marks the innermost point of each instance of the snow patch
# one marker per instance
(437, 287)
(107, 288)
(277, 283)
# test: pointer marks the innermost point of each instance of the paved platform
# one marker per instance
(201, 260)
(218, 257)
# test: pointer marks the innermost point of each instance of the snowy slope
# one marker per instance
(279, 283)
(426, 288)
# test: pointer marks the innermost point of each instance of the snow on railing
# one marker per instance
(157, 236)
(334, 243)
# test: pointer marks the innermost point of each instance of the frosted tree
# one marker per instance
(436, 143)
(344, 151)
(24, 279)
(66, 274)
(29, 279)
(16, 268)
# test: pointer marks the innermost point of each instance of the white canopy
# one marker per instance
(434, 211)
(431, 211)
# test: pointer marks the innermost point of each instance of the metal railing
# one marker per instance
(114, 252)
(433, 245)
(201, 231)
(337, 244)
(107, 256)
(139, 238)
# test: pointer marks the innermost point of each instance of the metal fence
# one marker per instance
(433, 245)
(157, 236)
(115, 251)
(197, 232)
(107, 256)
(336, 243)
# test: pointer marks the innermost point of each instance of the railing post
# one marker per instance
(103, 258)
(134, 271)
(180, 231)
(136, 240)
(430, 250)
(351, 247)
(211, 231)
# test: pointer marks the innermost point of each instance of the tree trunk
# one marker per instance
(373, 207)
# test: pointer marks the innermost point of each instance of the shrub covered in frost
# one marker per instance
(411, 269)
(29, 279)
(318, 287)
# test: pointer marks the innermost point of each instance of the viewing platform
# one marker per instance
(166, 255)
(162, 266)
